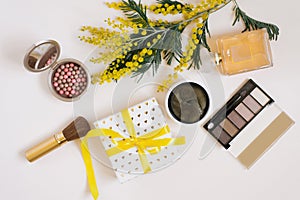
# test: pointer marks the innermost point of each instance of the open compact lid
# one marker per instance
(42, 56)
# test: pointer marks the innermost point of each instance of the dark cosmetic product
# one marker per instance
(249, 123)
(68, 79)
(188, 102)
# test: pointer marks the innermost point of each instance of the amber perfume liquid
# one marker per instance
(244, 52)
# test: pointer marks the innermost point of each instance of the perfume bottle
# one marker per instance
(243, 52)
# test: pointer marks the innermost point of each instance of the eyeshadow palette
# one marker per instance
(249, 123)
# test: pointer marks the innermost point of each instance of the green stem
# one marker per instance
(234, 1)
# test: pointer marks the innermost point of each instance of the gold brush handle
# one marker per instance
(44, 147)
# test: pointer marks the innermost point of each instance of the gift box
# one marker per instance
(137, 141)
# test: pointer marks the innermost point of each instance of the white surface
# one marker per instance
(254, 129)
(30, 113)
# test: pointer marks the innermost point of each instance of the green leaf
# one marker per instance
(196, 58)
(135, 12)
(172, 48)
(152, 61)
(253, 24)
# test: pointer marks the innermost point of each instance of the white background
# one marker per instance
(30, 113)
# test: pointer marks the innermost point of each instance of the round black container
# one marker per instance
(188, 102)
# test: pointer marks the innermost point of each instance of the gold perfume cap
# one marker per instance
(218, 58)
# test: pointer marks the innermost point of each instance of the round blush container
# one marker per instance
(68, 79)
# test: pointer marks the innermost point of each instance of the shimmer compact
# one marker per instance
(249, 124)
(68, 79)
(187, 102)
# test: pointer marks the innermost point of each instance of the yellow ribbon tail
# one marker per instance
(89, 169)
(144, 161)
(179, 141)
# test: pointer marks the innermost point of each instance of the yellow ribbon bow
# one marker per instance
(149, 142)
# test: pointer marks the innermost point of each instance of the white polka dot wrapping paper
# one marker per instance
(146, 117)
(137, 141)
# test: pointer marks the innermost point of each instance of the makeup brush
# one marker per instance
(76, 129)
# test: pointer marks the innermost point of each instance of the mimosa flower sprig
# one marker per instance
(135, 44)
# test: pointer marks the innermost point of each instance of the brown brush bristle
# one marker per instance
(78, 128)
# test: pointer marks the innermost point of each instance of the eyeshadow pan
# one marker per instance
(260, 96)
(236, 119)
(230, 128)
(252, 104)
(244, 112)
(223, 137)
